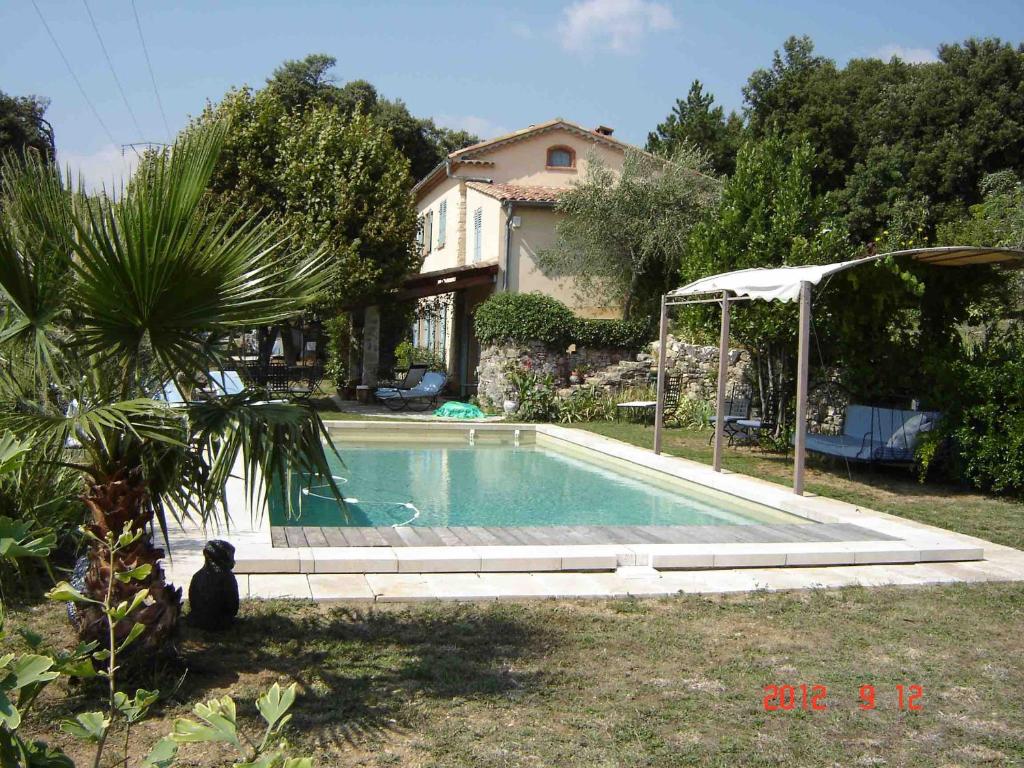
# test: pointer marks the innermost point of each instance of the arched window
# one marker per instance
(561, 157)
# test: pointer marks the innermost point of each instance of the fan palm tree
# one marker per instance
(107, 300)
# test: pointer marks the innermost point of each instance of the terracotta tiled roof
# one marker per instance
(517, 193)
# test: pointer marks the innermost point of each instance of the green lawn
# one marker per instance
(666, 682)
(886, 489)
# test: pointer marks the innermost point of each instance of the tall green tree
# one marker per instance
(624, 235)
(23, 125)
(300, 84)
(886, 131)
(274, 159)
(697, 121)
(346, 188)
(768, 216)
(105, 302)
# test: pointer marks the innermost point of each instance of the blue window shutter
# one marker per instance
(442, 223)
(478, 225)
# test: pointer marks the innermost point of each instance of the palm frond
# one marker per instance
(99, 428)
(157, 269)
(270, 440)
(36, 234)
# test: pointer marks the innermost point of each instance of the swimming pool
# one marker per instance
(434, 484)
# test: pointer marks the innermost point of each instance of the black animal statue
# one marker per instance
(213, 593)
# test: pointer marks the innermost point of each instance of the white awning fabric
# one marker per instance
(769, 284)
(783, 283)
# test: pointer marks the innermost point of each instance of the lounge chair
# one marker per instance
(424, 394)
(218, 383)
(885, 435)
(225, 383)
(412, 377)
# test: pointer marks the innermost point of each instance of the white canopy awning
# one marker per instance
(783, 283)
(788, 284)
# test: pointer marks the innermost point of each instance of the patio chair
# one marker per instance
(883, 435)
(423, 395)
(737, 408)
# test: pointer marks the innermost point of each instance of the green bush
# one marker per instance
(586, 404)
(406, 355)
(339, 342)
(613, 334)
(983, 416)
(525, 317)
(534, 392)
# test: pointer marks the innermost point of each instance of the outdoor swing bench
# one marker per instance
(879, 435)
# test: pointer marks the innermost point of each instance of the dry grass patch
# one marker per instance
(664, 682)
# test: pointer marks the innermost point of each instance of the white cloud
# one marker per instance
(618, 25)
(479, 126)
(104, 168)
(905, 54)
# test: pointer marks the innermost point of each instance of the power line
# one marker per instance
(152, 77)
(74, 77)
(113, 72)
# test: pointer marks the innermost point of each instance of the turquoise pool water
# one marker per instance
(500, 485)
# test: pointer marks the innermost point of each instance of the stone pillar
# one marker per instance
(371, 345)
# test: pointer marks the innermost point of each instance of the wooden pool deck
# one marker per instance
(456, 536)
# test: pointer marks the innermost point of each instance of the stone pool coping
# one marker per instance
(558, 570)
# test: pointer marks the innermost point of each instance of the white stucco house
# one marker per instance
(485, 213)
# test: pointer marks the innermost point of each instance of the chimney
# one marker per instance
(604, 130)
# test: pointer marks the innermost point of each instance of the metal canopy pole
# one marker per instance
(723, 372)
(659, 408)
(803, 351)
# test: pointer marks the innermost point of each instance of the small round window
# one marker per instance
(561, 157)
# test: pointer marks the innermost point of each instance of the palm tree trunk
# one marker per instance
(116, 503)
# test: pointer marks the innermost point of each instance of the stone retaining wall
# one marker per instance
(617, 370)
(612, 369)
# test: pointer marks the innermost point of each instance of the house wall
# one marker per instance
(446, 256)
(523, 162)
(535, 234)
(492, 231)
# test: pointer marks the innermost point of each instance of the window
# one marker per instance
(478, 232)
(561, 157)
(442, 223)
(428, 232)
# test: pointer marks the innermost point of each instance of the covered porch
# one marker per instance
(445, 329)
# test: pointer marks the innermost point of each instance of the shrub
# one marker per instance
(586, 404)
(535, 393)
(407, 355)
(694, 413)
(525, 317)
(983, 416)
(339, 342)
(615, 334)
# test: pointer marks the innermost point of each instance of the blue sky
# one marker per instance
(485, 66)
